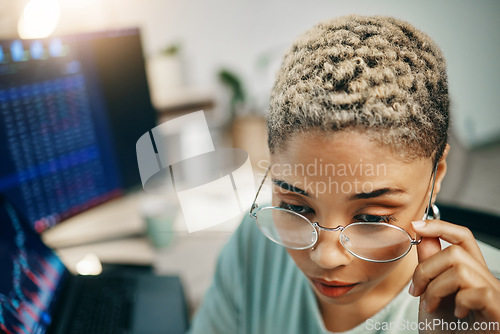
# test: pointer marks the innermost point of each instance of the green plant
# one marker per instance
(171, 50)
(233, 82)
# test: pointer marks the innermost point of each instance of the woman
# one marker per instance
(357, 127)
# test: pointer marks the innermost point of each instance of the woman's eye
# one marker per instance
(372, 218)
(301, 209)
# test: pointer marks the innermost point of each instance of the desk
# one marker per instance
(113, 220)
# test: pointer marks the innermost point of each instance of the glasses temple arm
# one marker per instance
(432, 193)
(258, 191)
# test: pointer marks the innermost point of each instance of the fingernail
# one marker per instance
(418, 223)
(411, 290)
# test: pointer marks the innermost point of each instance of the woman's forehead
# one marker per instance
(346, 156)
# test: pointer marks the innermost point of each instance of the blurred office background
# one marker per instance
(221, 56)
(190, 43)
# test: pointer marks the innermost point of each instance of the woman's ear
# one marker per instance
(440, 172)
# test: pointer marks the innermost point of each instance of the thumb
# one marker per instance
(428, 246)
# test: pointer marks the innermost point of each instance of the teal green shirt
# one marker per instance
(258, 289)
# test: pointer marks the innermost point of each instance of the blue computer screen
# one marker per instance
(71, 109)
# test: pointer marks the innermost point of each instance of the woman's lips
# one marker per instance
(332, 288)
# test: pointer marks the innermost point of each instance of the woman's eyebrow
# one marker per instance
(377, 193)
(289, 187)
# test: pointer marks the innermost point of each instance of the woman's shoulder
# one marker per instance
(252, 249)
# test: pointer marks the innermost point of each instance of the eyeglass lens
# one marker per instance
(286, 228)
(371, 241)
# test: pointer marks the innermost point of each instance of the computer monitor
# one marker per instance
(71, 111)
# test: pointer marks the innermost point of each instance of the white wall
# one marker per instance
(224, 33)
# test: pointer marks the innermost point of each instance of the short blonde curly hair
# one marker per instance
(375, 73)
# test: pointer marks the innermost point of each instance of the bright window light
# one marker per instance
(76, 4)
(39, 19)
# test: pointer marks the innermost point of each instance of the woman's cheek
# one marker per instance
(301, 258)
(377, 271)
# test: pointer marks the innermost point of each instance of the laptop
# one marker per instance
(39, 295)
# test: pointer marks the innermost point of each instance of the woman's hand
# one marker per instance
(454, 282)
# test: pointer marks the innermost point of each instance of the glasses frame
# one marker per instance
(254, 209)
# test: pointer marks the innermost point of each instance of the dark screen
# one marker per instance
(31, 276)
(125, 89)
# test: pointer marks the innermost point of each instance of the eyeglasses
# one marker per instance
(369, 241)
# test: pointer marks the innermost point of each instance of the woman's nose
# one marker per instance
(328, 252)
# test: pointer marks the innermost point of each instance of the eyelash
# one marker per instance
(305, 211)
(296, 208)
